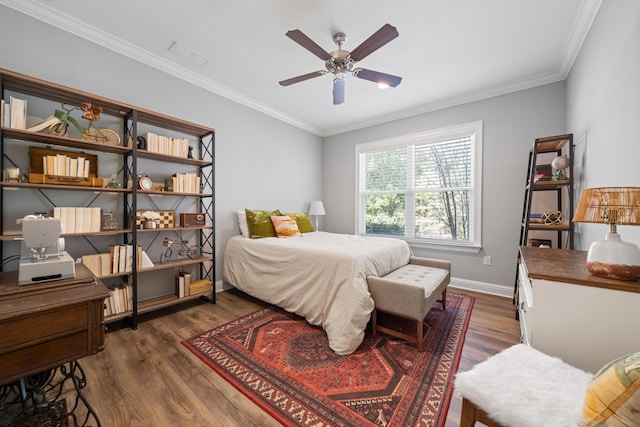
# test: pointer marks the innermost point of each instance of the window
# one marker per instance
(424, 187)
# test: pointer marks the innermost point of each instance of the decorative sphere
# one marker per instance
(552, 217)
(561, 162)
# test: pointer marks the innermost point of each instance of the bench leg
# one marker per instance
(420, 333)
(471, 413)
(374, 320)
(468, 414)
(444, 300)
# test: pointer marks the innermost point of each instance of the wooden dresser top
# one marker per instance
(564, 265)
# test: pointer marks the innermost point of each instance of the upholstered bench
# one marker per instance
(410, 292)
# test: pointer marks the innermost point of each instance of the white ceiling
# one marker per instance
(448, 52)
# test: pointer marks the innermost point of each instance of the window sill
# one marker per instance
(442, 246)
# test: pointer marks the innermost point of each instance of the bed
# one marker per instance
(320, 276)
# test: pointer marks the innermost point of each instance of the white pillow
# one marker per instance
(242, 223)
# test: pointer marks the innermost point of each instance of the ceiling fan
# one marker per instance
(339, 62)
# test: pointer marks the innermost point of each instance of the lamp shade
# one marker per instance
(611, 258)
(609, 205)
(316, 208)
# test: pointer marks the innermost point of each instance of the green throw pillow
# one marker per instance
(303, 221)
(259, 223)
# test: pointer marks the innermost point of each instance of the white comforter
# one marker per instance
(320, 276)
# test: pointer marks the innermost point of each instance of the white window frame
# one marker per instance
(473, 129)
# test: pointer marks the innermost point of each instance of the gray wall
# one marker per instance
(510, 124)
(599, 103)
(603, 104)
(251, 171)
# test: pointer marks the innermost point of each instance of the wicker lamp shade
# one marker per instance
(609, 205)
(611, 258)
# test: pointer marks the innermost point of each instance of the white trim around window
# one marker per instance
(408, 192)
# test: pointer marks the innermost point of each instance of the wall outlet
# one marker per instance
(487, 260)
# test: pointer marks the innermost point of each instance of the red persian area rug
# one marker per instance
(285, 366)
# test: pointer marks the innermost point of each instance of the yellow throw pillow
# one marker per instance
(303, 221)
(259, 223)
(285, 226)
(613, 395)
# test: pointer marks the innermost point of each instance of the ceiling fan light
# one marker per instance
(383, 85)
(338, 91)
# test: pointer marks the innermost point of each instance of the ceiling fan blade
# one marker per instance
(304, 41)
(302, 78)
(378, 39)
(377, 77)
(338, 91)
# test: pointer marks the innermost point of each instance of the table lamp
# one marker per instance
(316, 208)
(611, 258)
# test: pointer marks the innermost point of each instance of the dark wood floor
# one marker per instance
(145, 377)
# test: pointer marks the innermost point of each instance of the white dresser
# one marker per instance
(567, 312)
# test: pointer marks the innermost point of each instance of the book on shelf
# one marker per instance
(186, 183)
(121, 258)
(119, 300)
(78, 219)
(63, 165)
(543, 173)
(178, 147)
(105, 264)
(114, 251)
(179, 285)
(94, 263)
(183, 282)
(43, 124)
(18, 113)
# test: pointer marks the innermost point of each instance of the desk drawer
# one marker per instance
(45, 325)
(34, 343)
(40, 357)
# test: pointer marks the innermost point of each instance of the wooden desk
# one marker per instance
(567, 312)
(48, 324)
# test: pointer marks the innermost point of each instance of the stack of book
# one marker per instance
(183, 283)
(120, 300)
(62, 165)
(118, 260)
(178, 147)
(78, 220)
(122, 258)
(543, 173)
(535, 218)
(13, 114)
(186, 183)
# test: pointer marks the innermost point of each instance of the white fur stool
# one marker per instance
(522, 387)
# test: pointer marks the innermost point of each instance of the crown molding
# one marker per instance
(51, 16)
(467, 98)
(579, 31)
(76, 27)
(587, 14)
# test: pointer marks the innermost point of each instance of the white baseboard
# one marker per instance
(221, 285)
(469, 285)
(482, 287)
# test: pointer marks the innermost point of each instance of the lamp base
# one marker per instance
(614, 259)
